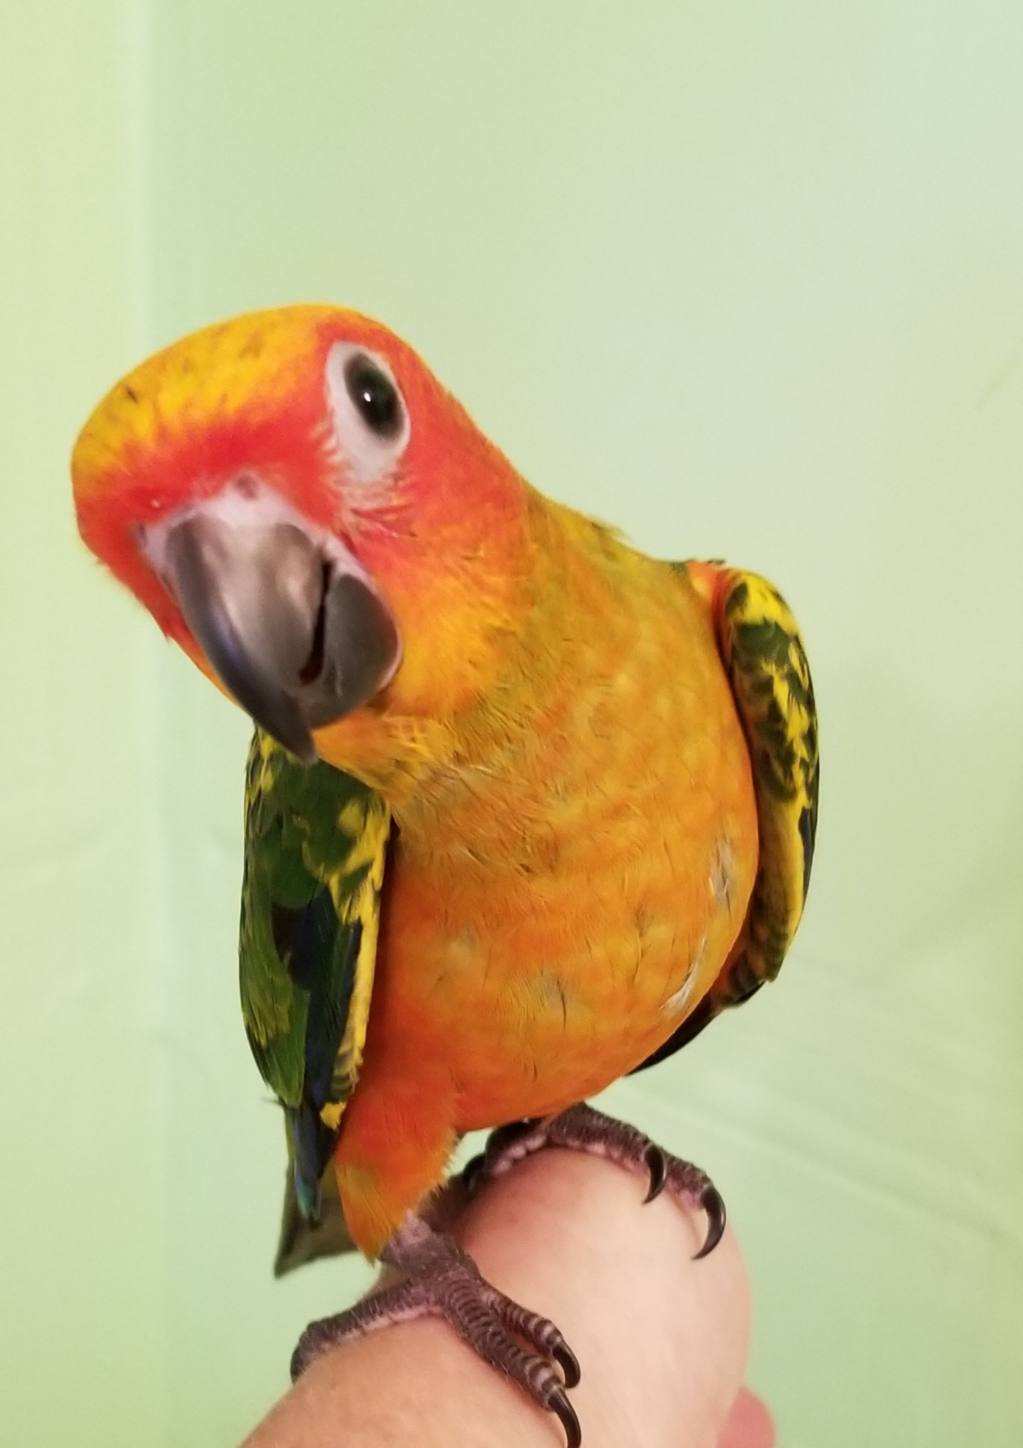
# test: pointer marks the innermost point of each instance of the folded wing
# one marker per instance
(315, 852)
(763, 655)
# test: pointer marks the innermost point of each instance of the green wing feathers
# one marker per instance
(315, 851)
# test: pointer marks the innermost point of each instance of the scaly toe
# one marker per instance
(542, 1334)
(504, 1146)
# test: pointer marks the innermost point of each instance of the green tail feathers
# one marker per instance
(302, 1240)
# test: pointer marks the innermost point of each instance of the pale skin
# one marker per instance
(662, 1339)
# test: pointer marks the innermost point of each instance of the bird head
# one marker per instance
(307, 512)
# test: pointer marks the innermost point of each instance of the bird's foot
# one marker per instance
(581, 1128)
(444, 1280)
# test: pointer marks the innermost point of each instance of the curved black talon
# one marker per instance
(569, 1421)
(568, 1363)
(713, 1204)
(471, 1171)
(657, 1165)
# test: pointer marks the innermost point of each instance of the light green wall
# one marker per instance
(746, 279)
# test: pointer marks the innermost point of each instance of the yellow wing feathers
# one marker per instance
(367, 824)
(763, 653)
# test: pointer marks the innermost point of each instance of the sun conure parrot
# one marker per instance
(525, 809)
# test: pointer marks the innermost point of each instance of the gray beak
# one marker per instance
(296, 637)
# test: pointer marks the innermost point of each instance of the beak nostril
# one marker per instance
(311, 669)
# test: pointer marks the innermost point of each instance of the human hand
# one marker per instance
(661, 1339)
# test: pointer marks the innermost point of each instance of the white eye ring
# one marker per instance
(371, 422)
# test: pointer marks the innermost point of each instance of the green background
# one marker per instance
(745, 279)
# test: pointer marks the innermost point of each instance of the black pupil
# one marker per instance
(375, 396)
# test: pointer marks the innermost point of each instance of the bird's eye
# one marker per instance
(371, 421)
(374, 395)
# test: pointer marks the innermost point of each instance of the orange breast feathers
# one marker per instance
(567, 880)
